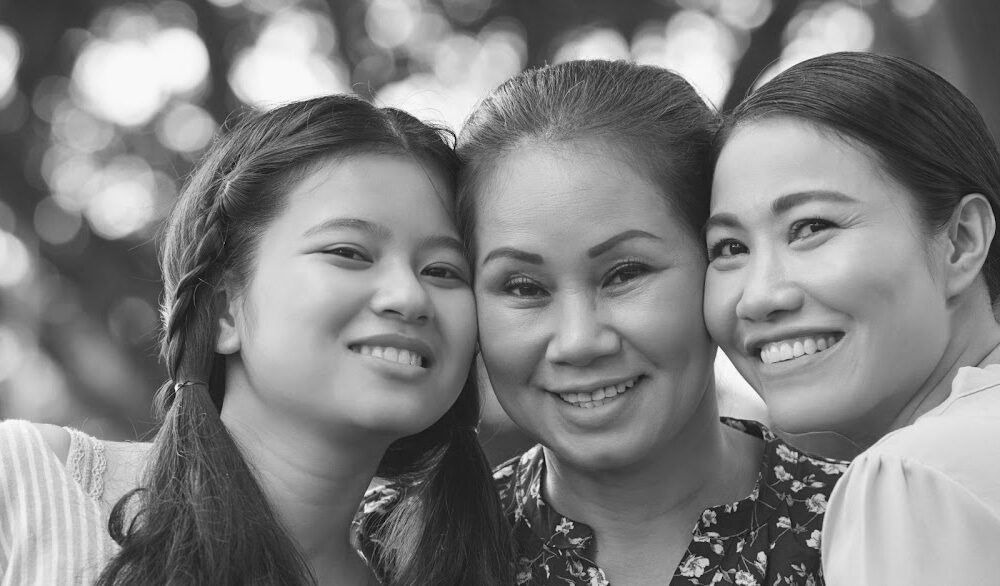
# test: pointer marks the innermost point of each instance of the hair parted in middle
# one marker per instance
(649, 115)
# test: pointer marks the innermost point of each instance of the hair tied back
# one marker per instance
(187, 383)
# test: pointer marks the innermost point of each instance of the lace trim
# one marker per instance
(87, 462)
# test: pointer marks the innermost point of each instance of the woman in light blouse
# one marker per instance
(852, 279)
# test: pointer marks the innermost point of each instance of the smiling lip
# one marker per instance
(788, 346)
(594, 395)
(396, 342)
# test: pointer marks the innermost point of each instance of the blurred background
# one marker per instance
(105, 105)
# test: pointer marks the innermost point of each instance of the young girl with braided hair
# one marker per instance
(318, 331)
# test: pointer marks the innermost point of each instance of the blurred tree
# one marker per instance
(77, 284)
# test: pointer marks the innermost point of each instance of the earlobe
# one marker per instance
(228, 338)
(970, 233)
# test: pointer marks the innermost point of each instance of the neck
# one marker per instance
(719, 465)
(314, 481)
(975, 340)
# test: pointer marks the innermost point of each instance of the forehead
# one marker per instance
(764, 160)
(542, 176)
(564, 191)
(391, 190)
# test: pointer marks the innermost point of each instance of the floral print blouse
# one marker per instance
(772, 537)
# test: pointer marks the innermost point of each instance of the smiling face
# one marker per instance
(589, 293)
(823, 287)
(359, 314)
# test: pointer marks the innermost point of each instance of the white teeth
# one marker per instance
(589, 400)
(793, 348)
(399, 355)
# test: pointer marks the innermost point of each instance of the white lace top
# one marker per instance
(54, 515)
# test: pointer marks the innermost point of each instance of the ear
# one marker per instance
(228, 338)
(970, 233)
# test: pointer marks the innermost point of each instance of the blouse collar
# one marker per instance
(721, 521)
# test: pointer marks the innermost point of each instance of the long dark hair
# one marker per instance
(651, 115)
(200, 516)
(924, 133)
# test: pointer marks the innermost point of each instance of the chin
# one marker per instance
(397, 426)
(599, 459)
(801, 415)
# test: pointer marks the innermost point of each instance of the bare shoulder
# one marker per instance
(56, 437)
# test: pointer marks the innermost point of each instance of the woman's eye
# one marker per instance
(626, 272)
(726, 248)
(806, 228)
(522, 287)
(444, 272)
(349, 253)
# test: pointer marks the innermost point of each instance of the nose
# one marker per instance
(767, 291)
(399, 294)
(581, 335)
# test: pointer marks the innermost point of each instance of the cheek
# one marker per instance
(721, 294)
(322, 305)
(457, 311)
(509, 344)
(872, 277)
(670, 317)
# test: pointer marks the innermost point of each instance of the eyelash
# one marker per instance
(798, 225)
(349, 253)
(453, 273)
(630, 265)
(716, 250)
(353, 254)
(513, 285)
(516, 283)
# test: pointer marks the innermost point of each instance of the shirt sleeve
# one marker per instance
(893, 521)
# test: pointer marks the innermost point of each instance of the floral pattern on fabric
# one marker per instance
(368, 521)
(770, 538)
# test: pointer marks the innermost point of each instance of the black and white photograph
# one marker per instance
(499, 292)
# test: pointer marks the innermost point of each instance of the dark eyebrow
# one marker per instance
(782, 205)
(790, 200)
(512, 253)
(384, 233)
(592, 252)
(599, 249)
(442, 241)
(724, 220)
(377, 230)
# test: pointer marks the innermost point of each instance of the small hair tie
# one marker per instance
(187, 383)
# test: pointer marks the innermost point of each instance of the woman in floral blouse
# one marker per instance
(584, 190)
